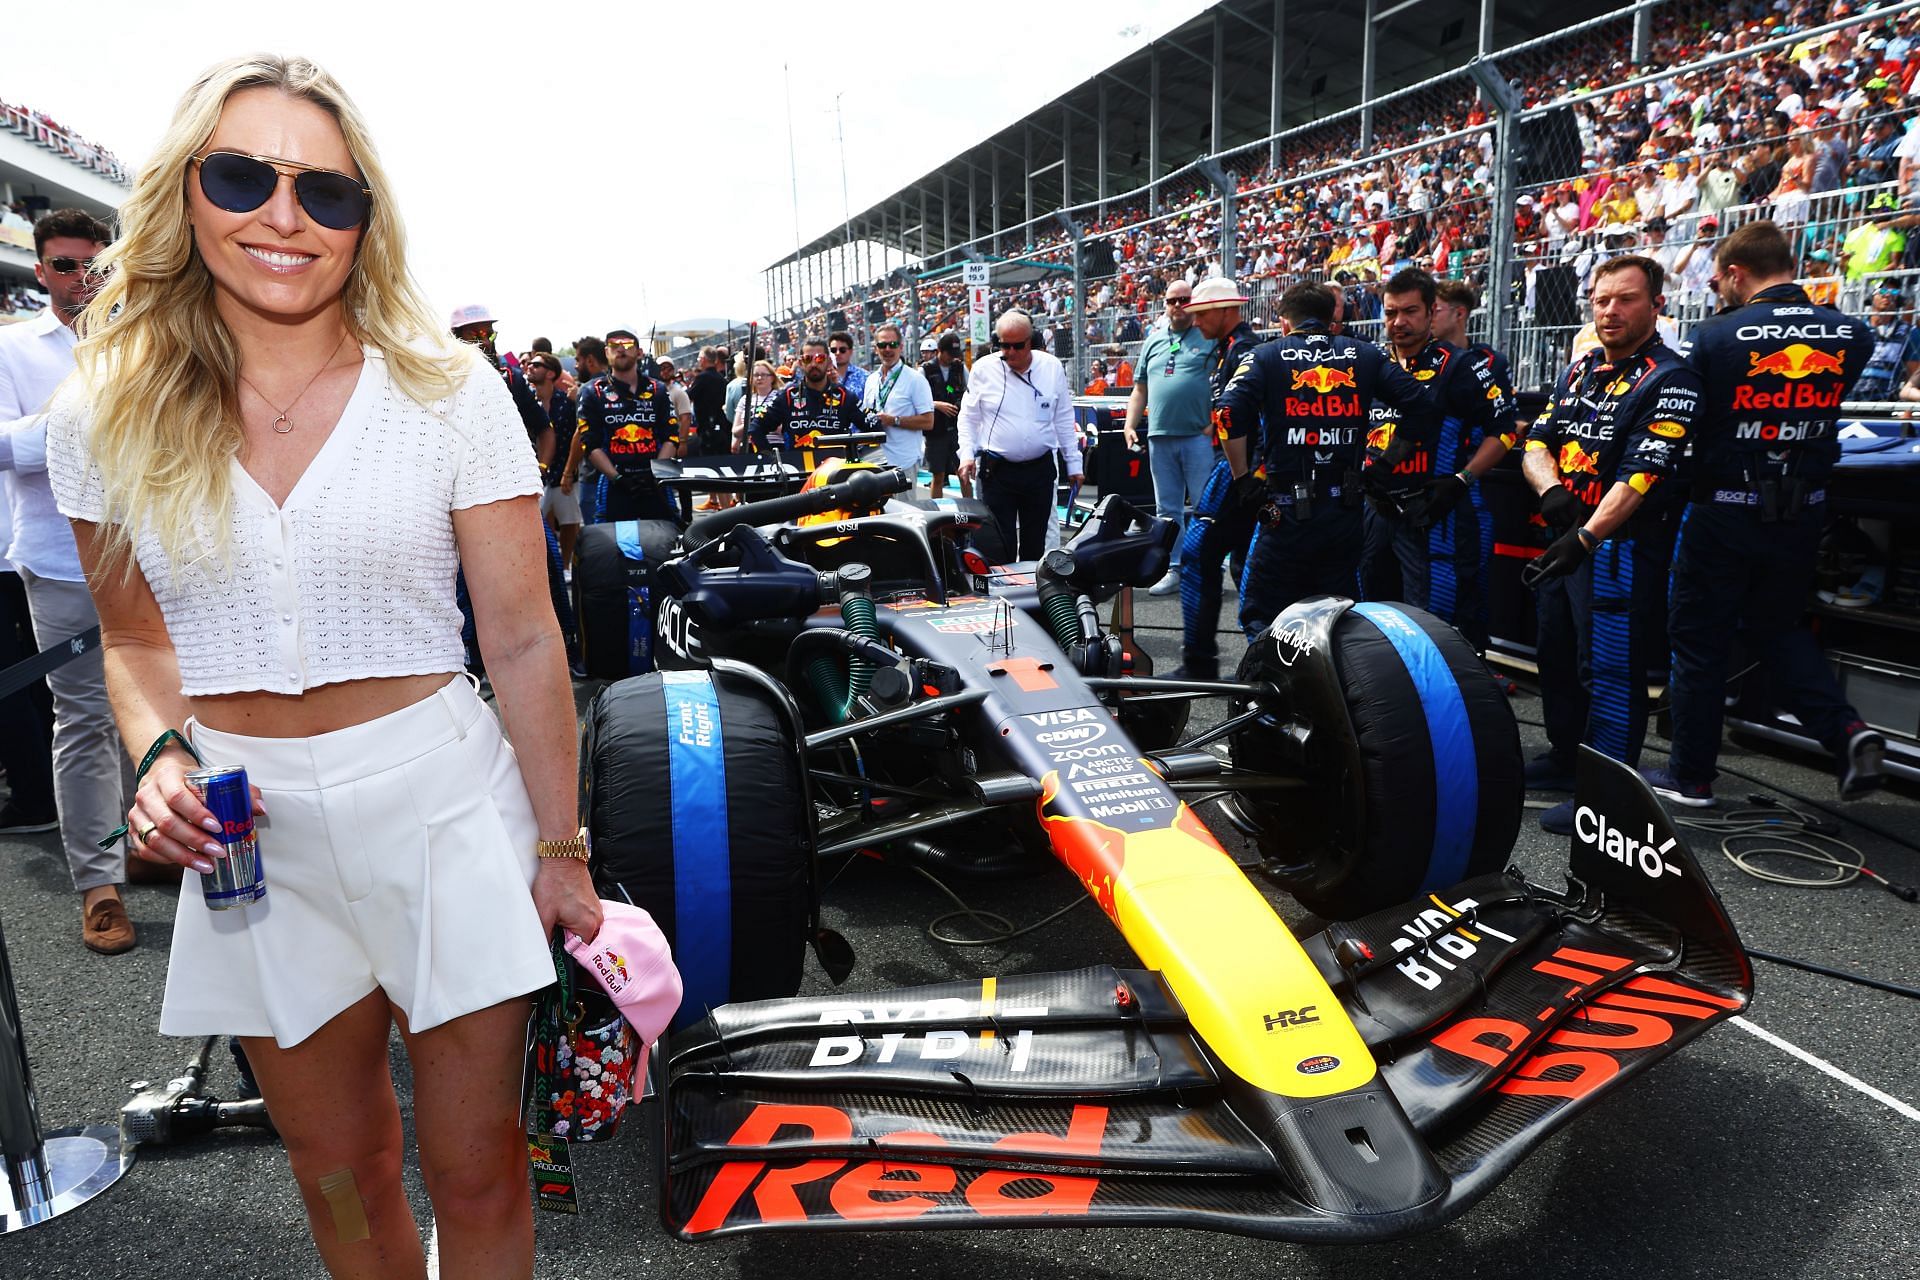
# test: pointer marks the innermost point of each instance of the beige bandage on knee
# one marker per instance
(342, 1195)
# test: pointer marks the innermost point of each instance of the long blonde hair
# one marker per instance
(160, 367)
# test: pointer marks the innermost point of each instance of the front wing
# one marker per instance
(1495, 1012)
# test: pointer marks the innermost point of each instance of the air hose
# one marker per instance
(836, 687)
(1058, 598)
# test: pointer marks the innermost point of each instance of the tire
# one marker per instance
(692, 793)
(1412, 757)
(615, 596)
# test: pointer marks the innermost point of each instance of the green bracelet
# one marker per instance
(160, 744)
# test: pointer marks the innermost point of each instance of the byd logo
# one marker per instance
(1648, 858)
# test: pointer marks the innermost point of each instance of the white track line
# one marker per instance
(1819, 1063)
(433, 1251)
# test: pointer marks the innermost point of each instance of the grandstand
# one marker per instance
(1536, 137)
(45, 166)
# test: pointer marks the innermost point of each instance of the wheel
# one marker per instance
(1408, 750)
(614, 595)
(692, 794)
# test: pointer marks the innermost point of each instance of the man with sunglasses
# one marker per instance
(1017, 414)
(815, 406)
(1172, 394)
(629, 420)
(845, 372)
(35, 357)
(898, 401)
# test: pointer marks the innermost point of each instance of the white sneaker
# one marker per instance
(1167, 585)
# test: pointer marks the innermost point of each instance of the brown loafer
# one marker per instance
(140, 871)
(107, 929)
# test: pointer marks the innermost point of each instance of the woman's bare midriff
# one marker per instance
(321, 710)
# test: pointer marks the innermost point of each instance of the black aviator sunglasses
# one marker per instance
(242, 183)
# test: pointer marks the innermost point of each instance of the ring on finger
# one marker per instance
(142, 833)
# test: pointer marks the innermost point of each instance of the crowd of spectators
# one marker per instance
(1817, 134)
(38, 126)
(18, 300)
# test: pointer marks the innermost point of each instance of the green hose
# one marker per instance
(829, 687)
(1063, 617)
(857, 615)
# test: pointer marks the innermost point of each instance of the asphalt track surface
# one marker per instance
(1731, 1159)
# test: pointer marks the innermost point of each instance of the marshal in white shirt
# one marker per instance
(1019, 416)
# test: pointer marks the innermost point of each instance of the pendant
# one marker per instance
(280, 430)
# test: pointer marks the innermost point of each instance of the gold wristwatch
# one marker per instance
(574, 846)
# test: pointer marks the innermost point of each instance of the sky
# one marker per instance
(583, 167)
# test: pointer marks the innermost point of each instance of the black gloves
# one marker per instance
(1560, 509)
(1560, 559)
(1248, 492)
(1442, 493)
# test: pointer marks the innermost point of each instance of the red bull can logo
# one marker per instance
(1323, 378)
(1796, 361)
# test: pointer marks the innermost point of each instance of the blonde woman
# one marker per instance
(257, 379)
(760, 391)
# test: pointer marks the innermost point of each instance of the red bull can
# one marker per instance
(238, 878)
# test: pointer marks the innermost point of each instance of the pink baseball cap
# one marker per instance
(630, 960)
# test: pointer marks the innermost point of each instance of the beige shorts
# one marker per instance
(559, 507)
(398, 856)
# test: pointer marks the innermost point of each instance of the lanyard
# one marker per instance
(886, 387)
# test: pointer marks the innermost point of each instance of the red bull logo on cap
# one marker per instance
(1378, 438)
(1797, 360)
(1323, 378)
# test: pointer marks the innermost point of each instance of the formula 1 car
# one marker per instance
(890, 691)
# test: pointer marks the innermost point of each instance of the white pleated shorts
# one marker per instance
(398, 855)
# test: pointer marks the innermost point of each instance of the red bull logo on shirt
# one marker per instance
(1574, 459)
(1796, 361)
(1323, 378)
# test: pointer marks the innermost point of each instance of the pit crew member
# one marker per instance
(798, 415)
(1774, 368)
(1304, 398)
(1434, 538)
(1614, 430)
(629, 420)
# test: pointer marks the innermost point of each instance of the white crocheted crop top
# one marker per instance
(353, 576)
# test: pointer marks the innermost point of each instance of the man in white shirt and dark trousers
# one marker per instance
(35, 357)
(898, 401)
(1017, 414)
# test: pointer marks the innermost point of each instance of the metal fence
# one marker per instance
(1517, 172)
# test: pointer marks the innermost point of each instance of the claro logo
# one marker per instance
(1648, 858)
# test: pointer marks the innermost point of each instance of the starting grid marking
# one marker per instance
(1819, 1063)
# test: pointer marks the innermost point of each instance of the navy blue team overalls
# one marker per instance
(1217, 530)
(1609, 422)
(1308, 394)
(1773, 375)
(1442, 557)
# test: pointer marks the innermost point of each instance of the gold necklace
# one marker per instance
(275, 424)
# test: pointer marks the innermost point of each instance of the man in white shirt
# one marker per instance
(35, 357)
(898, 401)
(1017, 414)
